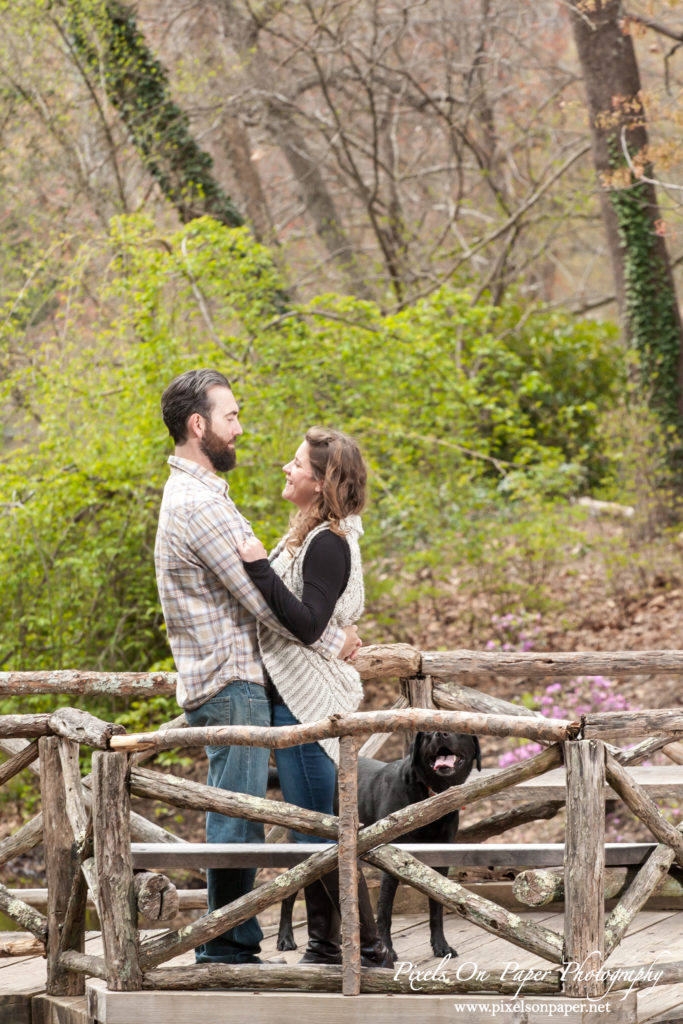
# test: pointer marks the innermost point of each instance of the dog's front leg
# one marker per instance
(440, 947)
(285, 935)
(387, 892)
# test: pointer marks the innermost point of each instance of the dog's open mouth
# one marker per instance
(446, 763)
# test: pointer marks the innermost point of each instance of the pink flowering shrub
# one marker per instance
(566, 700)
(569, 700)
(515, 632)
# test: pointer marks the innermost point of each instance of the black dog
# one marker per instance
(436, 761)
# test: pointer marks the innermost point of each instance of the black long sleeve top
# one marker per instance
(326, 569)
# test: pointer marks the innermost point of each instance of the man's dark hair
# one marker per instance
(187, 394)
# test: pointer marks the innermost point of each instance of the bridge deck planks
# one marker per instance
(654, 935)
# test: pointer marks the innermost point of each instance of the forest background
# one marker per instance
(450, 228)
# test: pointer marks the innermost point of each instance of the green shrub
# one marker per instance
(464, 411)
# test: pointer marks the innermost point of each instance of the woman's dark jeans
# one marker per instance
(306, 773)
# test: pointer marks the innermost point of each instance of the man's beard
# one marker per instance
(221, 456)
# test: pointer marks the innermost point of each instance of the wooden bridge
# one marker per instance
(578, 959)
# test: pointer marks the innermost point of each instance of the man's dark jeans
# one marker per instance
(242, 770)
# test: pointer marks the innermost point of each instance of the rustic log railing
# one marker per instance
(92, 838)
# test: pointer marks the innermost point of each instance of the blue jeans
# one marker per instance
(307, 775)
(242, 770)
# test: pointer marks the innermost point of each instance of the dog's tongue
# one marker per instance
(445, 761)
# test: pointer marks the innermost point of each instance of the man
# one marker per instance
(211, 608)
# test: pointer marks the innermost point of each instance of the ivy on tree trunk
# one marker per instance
(107, 36)
(642, 271)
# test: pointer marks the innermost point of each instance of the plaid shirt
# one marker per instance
(210, 605)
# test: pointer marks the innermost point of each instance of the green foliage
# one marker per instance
(450, 400)
(466, 412)
(643, 474)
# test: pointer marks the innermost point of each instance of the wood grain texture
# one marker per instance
(535, 665)
(156, 951)
(348, 864)
(310, 978)
(285, 855)
(584, 870)
(21, 947)
(485, 913)
(181, 792)
(543, 730)
(82, 727)
(636, 896)
(644, 808)
(156, 897)
(538, 887)
(141, 829)
(18, 762)
(25, 726)
(378, 661)
(111, 829)
(629, 724)
(456, 697)
(24, 839)
(77, 813)
(23, 914)
(159, 1007)
(60, 869)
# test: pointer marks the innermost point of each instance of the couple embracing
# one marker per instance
(260, 641)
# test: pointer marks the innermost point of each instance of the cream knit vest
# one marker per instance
(312, 685)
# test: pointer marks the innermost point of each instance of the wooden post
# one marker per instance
(80, 819)
(29, 835)
(348, 864)
(60, 870)
(418, 693)
(584, 868)
(75, 912)
(111, 832)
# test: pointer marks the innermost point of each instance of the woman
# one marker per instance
(314, 575)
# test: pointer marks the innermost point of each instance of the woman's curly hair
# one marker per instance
(337, 462)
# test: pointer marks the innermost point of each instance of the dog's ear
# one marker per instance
(477, 752)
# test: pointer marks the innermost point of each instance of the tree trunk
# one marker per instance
(316, 195)
(642, 272)
(290, 138)
(246, 179)
(137, 86)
